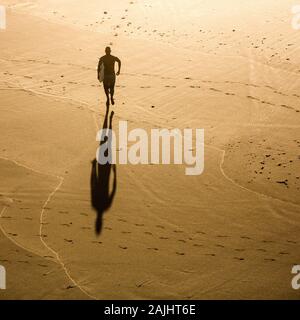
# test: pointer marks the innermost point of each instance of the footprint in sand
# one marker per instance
(280, 93)
(290, 241)
(253, 98)
(246, 238)
(83, 214)
(65, 225)
(267, 102)
(139, 225)
(197, 245)
(210, 254)
(70, 287)
(270, 259)
(222, 236)
(262, 250)
(69, 241)
(86, 228)
(7, 217)
(97, 242)
(214, 89)
(13, 234)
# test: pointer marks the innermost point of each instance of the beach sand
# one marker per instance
(232, 232)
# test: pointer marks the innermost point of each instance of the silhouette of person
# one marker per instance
(101, 198)
(109, 74)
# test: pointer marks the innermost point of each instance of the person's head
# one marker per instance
(107, 50)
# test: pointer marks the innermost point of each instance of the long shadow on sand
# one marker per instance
(101, 197)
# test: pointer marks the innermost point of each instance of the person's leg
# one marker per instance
(112, 89)
(106, 90)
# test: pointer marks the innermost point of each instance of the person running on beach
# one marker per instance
(108, 62)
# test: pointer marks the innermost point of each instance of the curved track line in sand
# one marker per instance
(58, 259)
(223, 155)
(52, 250)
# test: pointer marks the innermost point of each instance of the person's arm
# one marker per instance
(119, 66)
(98, 69)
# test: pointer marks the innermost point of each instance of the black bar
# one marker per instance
(149, 309)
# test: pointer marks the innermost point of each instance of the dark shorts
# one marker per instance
(109, 80)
